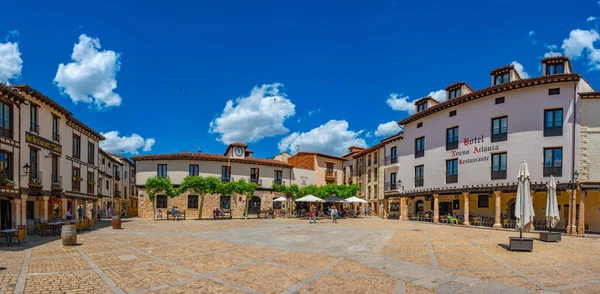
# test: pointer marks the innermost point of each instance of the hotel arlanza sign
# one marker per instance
(42, 142)
(474, 146)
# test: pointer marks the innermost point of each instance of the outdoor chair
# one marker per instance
(43, 229)
(91, 225)
(452, 220)
(20, 236)
(476, 221)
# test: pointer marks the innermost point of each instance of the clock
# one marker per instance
(238, 151)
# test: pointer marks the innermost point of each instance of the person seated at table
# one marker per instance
(69, 214)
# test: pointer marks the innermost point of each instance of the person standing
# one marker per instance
(109, 212)
(68, 215)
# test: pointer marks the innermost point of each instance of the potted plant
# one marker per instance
(76, 179)
(9, 183)
(35, 181)
(56, 185)
(91, 182)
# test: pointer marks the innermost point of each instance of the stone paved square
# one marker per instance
(289, 255)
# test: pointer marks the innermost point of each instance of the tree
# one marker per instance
(157, 185)
(249, 189)
(201, 185)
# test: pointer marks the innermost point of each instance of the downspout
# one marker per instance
(572, 204)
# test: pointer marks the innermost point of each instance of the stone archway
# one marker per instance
(509, 209)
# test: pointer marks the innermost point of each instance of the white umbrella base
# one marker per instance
(550, 236)
(520, 244)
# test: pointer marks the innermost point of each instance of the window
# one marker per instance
(499, 166)
(194, 168)
(278, 176)
(375, 175)
(375, 158)
(329, 169)
(369, 191)
(499, 129)
(6, 163)
(553, 122)
(29, 209)
(500, 100)
(452, 171)
(369, 176)
(161, 201)
(225, 174)
(90, 182)
(556, 68)
(419, 125)
(456, 204)
(55, 127)
(33, 111)
(107, 185)
(554, 91)
(224, 202)
(276, 204)
(192, 201)
(55, 171)
(452, 113)
(553, 162)
(76, 179)
(393, 182)
(419, 175)
(421, 107)
(76, 146)
(454, 93)
(5, 120)
(369, 160)
(419, 147)
(501, 78)
(91, 156)
(125, 174)
(452, 138)
(33, 166)
(161, 170)
(254, 173)
(483, 201)
(103, 160)
(394, 155)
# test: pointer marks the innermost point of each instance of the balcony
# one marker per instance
(452, 145)
(331, 175)
(391, 160)
(56, 182)
(226, 178)
(418, 182)
(56, 137)
(278, 182)
(6, 181)
(35, 178)
(419, 153)
(451, 179)
(390, 186)
(553, 171)
(117, 176)
(117, 194)
(499, 175)
(34, 128)
(553, 131)
(500, 136)
(257, 181)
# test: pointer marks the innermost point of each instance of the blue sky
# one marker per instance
(318, 74)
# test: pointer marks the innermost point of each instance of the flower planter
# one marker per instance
(550, 236)
(520, 244)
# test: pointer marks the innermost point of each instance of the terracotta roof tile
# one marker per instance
(209, 157)
(555, 59)
(43, 98)
(502, 69)
(320, 154)
(11, 94)
(83, 126)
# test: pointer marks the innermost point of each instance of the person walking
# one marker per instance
(313, 214)
(335, 214)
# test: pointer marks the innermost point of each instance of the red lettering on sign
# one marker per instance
(453, 153)
(475, 150)
(466, 141)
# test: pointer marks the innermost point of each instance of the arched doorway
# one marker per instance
(254, 205)
(420, 206)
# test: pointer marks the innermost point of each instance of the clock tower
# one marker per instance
(236, 150)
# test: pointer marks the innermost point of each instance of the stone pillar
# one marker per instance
(64, 208)
(74, 209)
(581, 220)
(44, 216)
(386, 207)
(404, 208)
(466, 205)
(571, 228)
(36, 208)
(23, 209)
(498, 215)
(436, 208)
(85, 208)
(16, 209)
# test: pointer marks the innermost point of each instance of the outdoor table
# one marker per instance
(54, 226)
(7, 232)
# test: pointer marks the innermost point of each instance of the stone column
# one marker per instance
(386, 207)
(466, 205)
(16, 208)
(404, 208)
(85, 208)
(74, 209)
(44, 216)
(581, 220)
(23, 209)
(64, 208)
(436, 208)
(36, 208)
(571, 228)
(498, 215)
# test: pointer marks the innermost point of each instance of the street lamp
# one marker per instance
(26, 169)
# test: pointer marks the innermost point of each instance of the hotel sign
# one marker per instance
(42, 142)
(478, 147)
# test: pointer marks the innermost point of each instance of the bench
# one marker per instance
(174, 217)
(265, 214)
(222, 214)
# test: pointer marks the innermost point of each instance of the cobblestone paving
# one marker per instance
(291, 256)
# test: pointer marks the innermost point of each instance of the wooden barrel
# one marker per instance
(116, 222)
(69, 235)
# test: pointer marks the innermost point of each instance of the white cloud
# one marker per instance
(13, 34)
(125, 144)
(439, 95)
(252, 118)
(91, 77)
(11, 63)
(331, 138)
(400, 103)
(531, 33)
(387, 129)
(580, 44)
(369, 135)
(520, 70)
(591, 18)
(551, 47)
(313, 112)
(552, 54)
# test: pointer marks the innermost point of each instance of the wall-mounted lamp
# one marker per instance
(26, 169)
